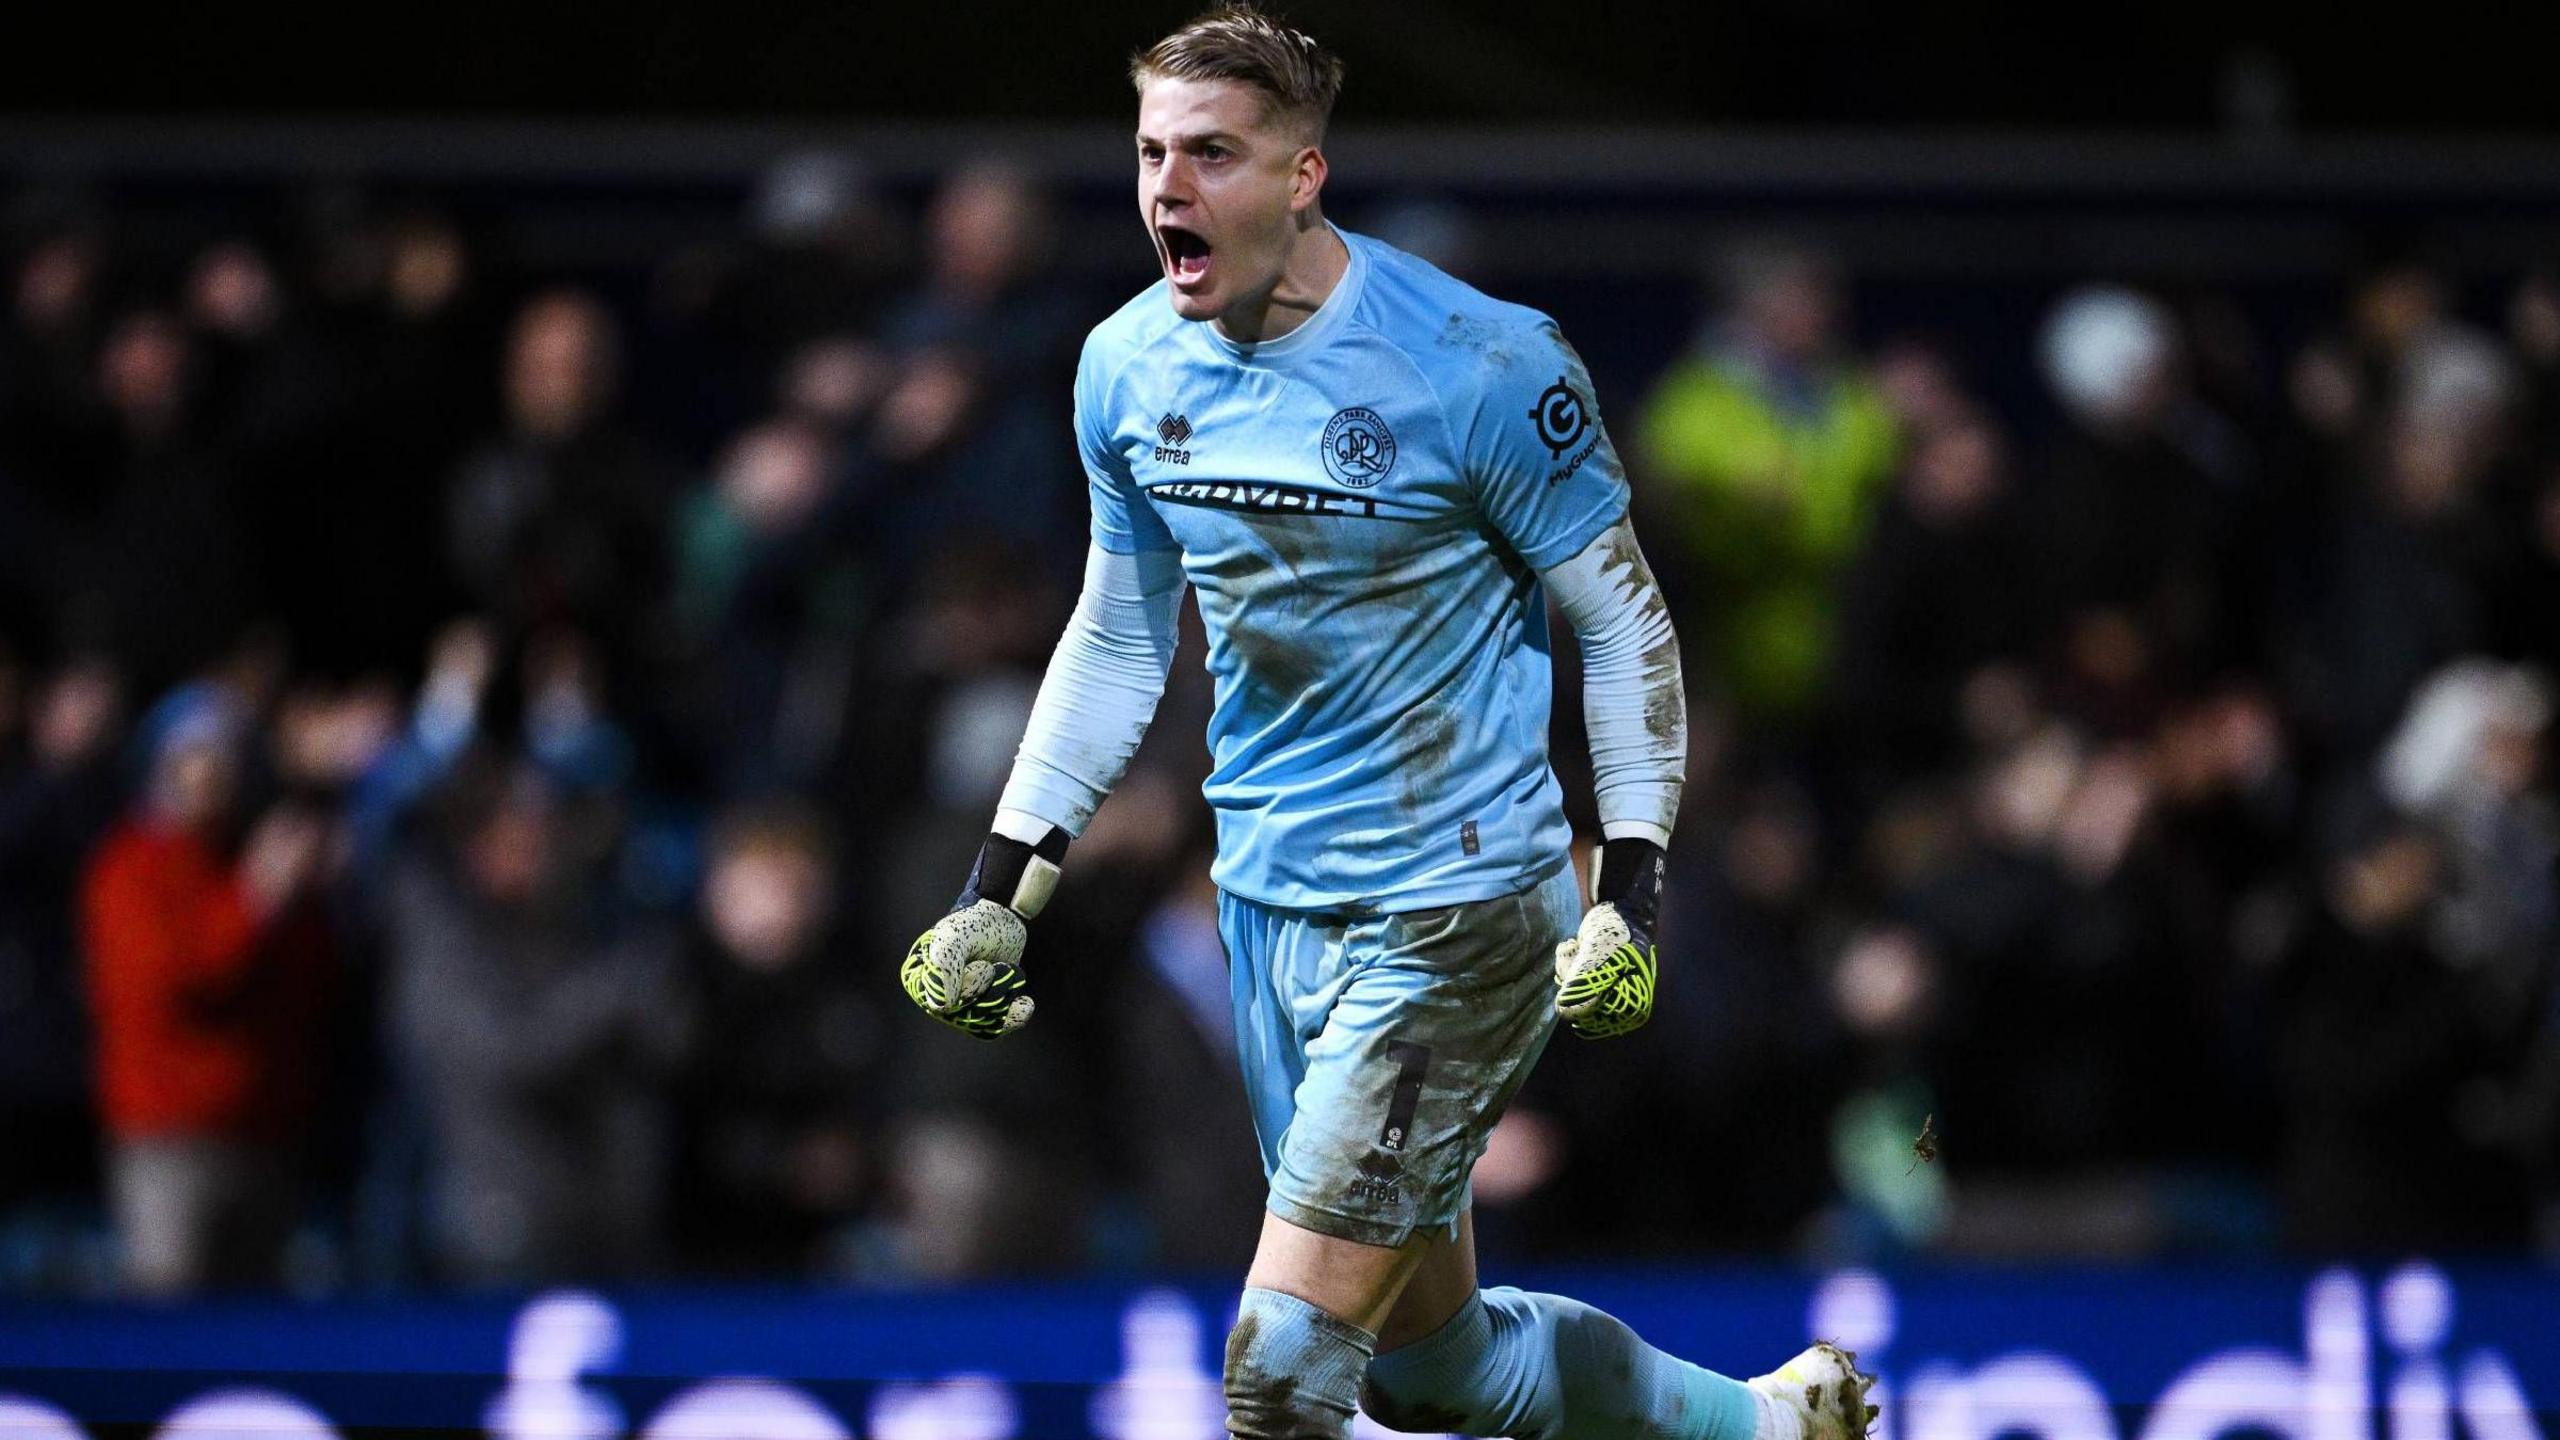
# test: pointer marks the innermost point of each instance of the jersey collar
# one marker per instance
(1311, 335)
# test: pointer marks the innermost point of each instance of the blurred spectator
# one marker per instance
(1768, 447)
(967, 434)
(771, 594)
(2137, 517)
(781, 1102)
(210, 981)
(2410, 577)
(444, 721)
(2411, 1009)
(164, 576)
(544, 1021)
(816, 261)
(563, 520)
(46, 385)
(359, 393)
(2467, 761)
(824, 251)
(2049, 955)
(571, 734)
(234, 304)
(1930, 624)
(58, 795)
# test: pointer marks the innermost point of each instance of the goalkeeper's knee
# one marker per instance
(1293, 1371)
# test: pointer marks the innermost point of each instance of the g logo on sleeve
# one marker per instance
(1560, 417)
(1358, 448)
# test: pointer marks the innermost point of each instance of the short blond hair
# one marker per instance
(1298, 77)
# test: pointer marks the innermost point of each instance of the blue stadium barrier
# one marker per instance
(2414, 1352)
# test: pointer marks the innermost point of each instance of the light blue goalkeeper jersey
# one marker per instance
(1361, 506)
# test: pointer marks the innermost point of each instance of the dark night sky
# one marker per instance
(2430, 67)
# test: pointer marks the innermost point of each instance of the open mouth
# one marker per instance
(1186, 254)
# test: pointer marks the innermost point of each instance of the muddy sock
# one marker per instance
(1293, 1371)
(1541, 1366)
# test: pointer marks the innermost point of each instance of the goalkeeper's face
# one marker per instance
(1226, 183)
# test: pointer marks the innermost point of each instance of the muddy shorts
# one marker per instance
(1379, 1050)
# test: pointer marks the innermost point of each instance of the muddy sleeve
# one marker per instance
(1540, 460)
(1632, 700)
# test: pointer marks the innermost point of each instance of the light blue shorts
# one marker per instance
(1378, 1051)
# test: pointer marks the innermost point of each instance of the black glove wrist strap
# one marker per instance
(1630, 877)
(1015, 875)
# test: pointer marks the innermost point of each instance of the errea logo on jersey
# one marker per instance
(1172, 431)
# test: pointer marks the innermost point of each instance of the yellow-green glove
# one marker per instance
(1605, 974)
(967, 970)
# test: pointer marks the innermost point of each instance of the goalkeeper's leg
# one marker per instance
(1378, 1053)
(1510, 1363)
(1306, 1328)
(1491, 1363)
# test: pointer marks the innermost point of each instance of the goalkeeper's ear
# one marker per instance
(1016, 874)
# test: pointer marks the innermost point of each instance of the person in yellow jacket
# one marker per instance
(1769, 450)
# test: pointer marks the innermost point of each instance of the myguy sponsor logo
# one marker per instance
(1564, 472)
(1266, 497)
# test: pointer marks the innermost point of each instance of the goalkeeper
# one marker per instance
(1374, 478)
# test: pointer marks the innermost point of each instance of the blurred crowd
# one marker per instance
(474, 744)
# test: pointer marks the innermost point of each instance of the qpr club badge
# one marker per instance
(1359, 450)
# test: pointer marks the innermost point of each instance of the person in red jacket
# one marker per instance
(209, 976)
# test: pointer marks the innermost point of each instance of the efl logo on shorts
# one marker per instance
(1359, 450)
(1412, 1063)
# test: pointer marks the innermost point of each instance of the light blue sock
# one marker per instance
(1293, 1371)
(1537, 1367)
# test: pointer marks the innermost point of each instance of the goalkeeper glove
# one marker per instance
(1605, 973)
(967, 970)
